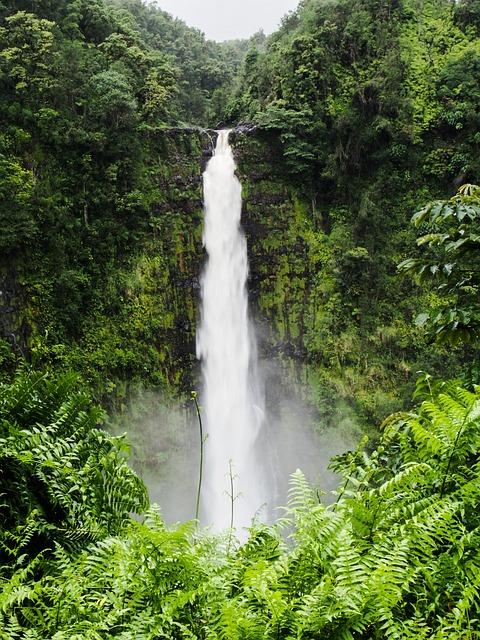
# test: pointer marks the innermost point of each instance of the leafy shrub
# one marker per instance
(396, 557)
(63, 480)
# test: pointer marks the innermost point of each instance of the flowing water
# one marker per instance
(233, 406)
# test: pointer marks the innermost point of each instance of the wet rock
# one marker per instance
(13, 328)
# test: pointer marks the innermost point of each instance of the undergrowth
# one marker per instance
(394, 557)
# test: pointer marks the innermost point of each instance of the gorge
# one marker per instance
(309, 280)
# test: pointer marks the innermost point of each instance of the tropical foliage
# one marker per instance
(64, 480)
(373, 108)
(366, 110)
(89, 90)
(101, 191)
(396, 555)
(452, 263)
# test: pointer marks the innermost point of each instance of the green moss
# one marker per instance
(329, 292)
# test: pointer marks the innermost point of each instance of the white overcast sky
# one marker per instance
(229, 19)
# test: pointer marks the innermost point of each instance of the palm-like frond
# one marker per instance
(394, 558)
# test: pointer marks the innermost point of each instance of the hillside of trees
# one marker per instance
(90, 177)
(375, 107)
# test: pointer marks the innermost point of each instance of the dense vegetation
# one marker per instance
(366, 110)
(88, 90)
(376, 108)
(372, 108)
(396, 556)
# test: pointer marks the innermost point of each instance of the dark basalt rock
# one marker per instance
(244, 128)
(13, 328)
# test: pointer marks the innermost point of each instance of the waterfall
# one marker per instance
(232, 403)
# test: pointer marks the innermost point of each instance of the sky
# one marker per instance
(229, 19)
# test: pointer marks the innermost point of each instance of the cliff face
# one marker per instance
(326, 303)
(275, 221)
(136, 311)
(324, 289)
(14, 329)
(140, 326)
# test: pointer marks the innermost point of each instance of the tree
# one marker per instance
(112, 103)
(16, 211)
(451, 263)
(28, 55)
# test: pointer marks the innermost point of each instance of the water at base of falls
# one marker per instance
(233, 406)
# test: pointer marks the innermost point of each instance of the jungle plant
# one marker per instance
(64, 481)
(395, 558)
(451, 237)
(202, 445)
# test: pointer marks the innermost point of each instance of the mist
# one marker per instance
(165, 442)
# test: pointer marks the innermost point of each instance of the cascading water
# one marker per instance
(232, 401)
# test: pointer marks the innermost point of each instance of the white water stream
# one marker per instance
(233, 406)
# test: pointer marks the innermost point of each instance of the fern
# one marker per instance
(52, 458)
(394, 558)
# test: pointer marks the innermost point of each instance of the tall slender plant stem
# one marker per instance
(202, 442)
(232, 497)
